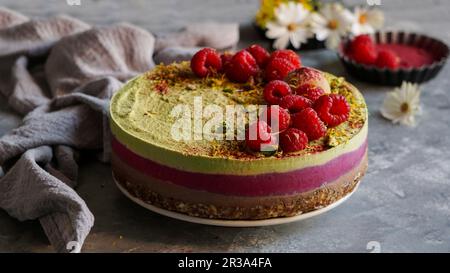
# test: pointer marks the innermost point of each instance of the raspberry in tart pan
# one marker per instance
(389, 58)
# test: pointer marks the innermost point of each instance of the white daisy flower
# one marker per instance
(331, 23)
(402, 105)
(290, 25)
(367, 21)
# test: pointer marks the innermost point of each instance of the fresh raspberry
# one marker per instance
(387, 59)
(309, 122)
(288, 55)
(258, 133)
(279, 115)
(293, 140)
(363, 50)
(275, 90)
(365, 54)
(278, 69)
(242, 67)
(260, 54)
(206, 61)
(226, 60)
(310, 91)
(332, 109)
(362, 39)
(295, 103)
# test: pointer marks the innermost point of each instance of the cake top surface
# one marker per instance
(144, 109)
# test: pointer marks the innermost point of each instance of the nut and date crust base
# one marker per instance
(287, 207)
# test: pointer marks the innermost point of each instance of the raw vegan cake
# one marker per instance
(319, 157)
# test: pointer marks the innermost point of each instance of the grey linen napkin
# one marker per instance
(59, 73)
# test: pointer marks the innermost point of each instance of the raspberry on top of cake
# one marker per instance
(316, 111)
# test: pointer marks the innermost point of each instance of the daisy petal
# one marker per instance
(274, 31)
(282, 42)
(322, 33)
(333, 41)
(295, 41)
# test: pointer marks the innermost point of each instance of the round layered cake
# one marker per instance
(221, 178)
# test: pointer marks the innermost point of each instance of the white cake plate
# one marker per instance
(233, 223)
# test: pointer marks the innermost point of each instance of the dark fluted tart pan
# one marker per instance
(384, 76)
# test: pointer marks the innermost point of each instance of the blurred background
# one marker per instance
(170, 15)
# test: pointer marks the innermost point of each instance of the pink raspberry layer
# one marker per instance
(268, 184)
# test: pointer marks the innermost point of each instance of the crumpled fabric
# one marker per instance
(59, 73)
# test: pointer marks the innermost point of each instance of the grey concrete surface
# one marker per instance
(403, 202)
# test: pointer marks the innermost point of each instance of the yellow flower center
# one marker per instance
(333, 24)
(292, 27)
(362, 18)
(404, 107)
